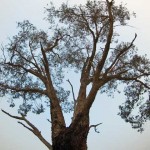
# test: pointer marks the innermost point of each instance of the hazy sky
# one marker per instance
(115, 134)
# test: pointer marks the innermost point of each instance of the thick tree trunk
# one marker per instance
(73, 137)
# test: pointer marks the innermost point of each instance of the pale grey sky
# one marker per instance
(115, 134)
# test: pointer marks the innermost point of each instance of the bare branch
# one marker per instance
(25, 126)
(15, 117)
(95, 127)
(33, 129)
(72, 93)
(49, 120)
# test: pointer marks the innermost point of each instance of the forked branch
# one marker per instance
(122, 52)
(95, 127)
(31, 128)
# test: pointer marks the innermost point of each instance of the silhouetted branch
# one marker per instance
(122, 52)
(33, 129)
(72, 93)
(25, 89)
(95, 127)
(15, 117)
(32, 71)
(36, 64)
(134, 79)
(49, 121)
(51, 47)
(25, 126)
(72, 90)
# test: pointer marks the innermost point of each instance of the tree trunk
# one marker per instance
(73, 137)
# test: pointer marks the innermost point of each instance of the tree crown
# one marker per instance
(85, 39)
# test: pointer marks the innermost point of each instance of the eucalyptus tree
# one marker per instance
(85, 39)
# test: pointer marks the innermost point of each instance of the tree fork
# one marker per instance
(73, 137)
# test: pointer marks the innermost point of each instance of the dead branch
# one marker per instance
(25, 126)
(95, 127)
(32, 128)
(49, 121)
(72, 93)
(15, 117)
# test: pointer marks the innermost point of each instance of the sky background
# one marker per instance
(114, 134)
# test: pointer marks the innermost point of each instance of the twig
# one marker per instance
(49, 121)
(95, 127)
(72, 93)
(15, 117)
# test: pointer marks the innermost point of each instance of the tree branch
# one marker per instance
(25, 89)
(133, 79)
(56, 111)
(25, 126)
(33, 129)
(23, 57)
(51, 47)
(15, 117)
(95, 127)
(45, 61)
(32, 71)
(36, 64)
(145, 85)
(49, 121)
(86, 22)
(107, 45)
(119, 55)
(72, 93)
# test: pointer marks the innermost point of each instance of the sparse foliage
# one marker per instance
(85, 39)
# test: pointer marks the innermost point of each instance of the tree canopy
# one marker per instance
(85, 39)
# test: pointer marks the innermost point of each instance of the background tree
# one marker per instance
(85, 39)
